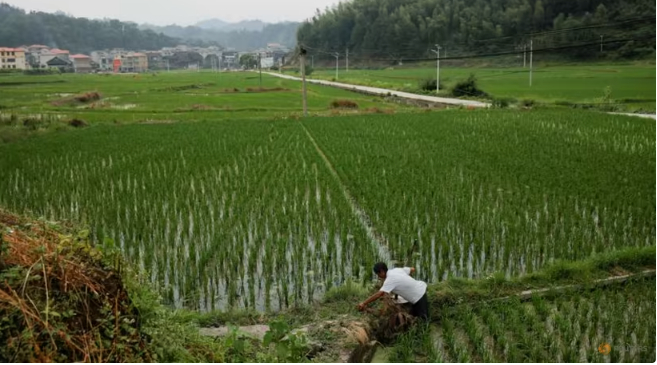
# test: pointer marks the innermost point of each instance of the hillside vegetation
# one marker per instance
(80, 35)
(403, 29)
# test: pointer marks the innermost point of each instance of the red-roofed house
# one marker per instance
(36, 48)
(12, 58)
(81, 63)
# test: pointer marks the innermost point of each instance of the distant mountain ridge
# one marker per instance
(245, 35)
(218, 24)
(79, 35)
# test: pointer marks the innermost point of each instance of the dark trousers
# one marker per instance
(421, 308)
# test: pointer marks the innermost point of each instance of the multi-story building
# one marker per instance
(134, 62)
(156, 60)
(12, 58)
(103, 59)
(230, 59)
(81, 63)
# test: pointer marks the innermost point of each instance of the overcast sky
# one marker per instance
(182, 12)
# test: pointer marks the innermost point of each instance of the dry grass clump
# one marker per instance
(78, 99)
(60, 301)
(390, 320)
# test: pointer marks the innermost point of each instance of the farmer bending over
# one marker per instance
(399, 281)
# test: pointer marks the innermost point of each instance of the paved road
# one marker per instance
(652, 116)
(379, 91)
(401, 94)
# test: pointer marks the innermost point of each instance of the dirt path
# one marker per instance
(377, 241)
(384, 92)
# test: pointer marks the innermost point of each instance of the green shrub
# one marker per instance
(528, 103)
(344, 104)
(468, 87)
(429, 85)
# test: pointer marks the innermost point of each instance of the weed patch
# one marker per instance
(344, 104)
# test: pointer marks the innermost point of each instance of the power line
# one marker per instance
(505, 53)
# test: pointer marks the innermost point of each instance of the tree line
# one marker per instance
(398, 29)
(79, 35)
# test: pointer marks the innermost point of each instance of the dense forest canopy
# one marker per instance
(402, 29)
(79, 35)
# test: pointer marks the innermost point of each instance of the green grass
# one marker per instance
(632, 86)
(159, 98)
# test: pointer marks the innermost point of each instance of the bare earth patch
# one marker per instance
(257, 331)
(342, 340)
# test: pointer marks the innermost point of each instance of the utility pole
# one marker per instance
(337, 64)
(437, 52)
(531, 60)
(601, 38)
(524, 56)
(304, 100)
(260, 68)
(347, 60)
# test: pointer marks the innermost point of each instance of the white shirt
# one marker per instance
(399, 281)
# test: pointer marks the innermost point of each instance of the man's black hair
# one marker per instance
(380, 266)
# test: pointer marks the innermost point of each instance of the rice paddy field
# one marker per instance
(163, 97)
(604, 325)
(227, 200)
(266, 213)
(632, 86)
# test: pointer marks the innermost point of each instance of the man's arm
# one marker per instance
(371, 299)
(409, 271)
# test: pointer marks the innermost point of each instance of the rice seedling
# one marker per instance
(254, 213)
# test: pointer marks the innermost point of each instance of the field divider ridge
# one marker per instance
(375, 238)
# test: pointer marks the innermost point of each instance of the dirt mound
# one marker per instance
(78, 99)
(61, 300)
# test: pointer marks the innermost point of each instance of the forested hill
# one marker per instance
(79, 35)
(402, 29)
(240, 39)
